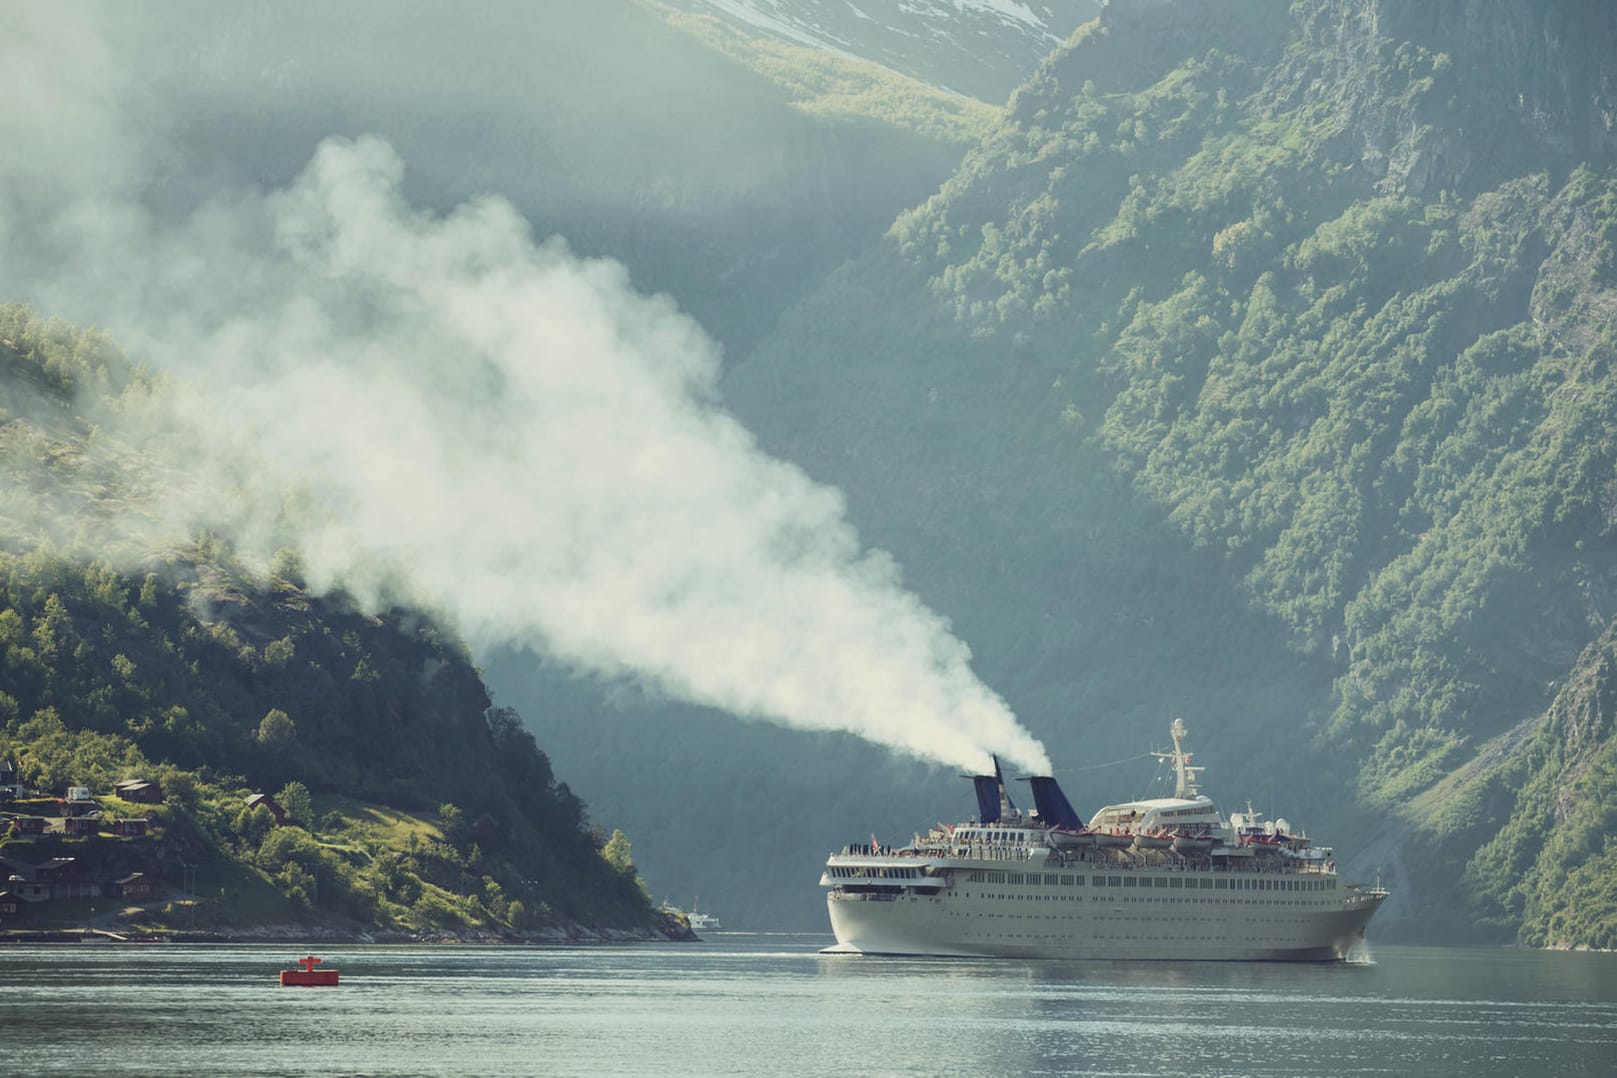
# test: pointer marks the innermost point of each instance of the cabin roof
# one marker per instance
(1161, 803)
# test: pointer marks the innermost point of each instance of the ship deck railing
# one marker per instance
(1132, 862)
(976, 853)
(987, 853)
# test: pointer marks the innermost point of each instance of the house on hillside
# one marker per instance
(64, 877)
(130, 828)
(265, 801)
(28, 825)
(142, 791)
(136, 885)
(81, 825)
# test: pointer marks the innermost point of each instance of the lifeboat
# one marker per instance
(308, 976)
(1114, 840)
(1192, 843)
(1069, 840)
(1153, 842)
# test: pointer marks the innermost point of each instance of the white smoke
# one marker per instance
(437, 408)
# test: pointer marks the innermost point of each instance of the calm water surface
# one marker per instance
(761, 1004)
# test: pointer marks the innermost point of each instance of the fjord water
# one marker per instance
(768, 1004)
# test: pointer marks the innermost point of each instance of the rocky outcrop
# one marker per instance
(1453, 94)
(1547, 62)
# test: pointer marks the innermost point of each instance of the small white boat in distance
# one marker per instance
(702, 922)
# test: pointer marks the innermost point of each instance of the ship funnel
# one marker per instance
(987, 798)
(1054, 808)
(993, 800)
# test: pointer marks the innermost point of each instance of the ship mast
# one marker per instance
(1185, 788)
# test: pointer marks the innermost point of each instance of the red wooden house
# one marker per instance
(66, 878)
(265, 801)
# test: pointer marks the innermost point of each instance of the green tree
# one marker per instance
(616, 851)
(294, 798)
(278, 653)
(277, 731)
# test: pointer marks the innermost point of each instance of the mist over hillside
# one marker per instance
(598, 120)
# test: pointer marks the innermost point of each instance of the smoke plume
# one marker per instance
(434, 407)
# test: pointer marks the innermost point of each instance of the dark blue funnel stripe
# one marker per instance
(987, 797)
(1053, 806)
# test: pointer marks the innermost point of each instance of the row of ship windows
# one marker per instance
(1120, 898)
(876, 872)
(1271, 926)
(1110, 937)
(1205, 883)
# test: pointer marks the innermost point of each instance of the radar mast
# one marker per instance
(1185, 788)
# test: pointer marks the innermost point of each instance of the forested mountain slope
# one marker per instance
(1288, 331)
(416, 807)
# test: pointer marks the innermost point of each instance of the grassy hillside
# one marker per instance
(1286, 329)
(415, 806)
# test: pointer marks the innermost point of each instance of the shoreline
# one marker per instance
(556, 936)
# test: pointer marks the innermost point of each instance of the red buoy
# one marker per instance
(308, 976)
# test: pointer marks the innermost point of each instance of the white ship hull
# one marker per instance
(1061, 920)
(1166, 878)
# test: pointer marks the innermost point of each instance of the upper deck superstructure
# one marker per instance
(1160, 878)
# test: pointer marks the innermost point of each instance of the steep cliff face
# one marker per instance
(1561, 85)
(1414, 93)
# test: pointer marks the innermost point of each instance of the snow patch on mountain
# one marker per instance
(983, 48)
(765, 15)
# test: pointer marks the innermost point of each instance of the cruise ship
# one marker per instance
(1164, 878)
